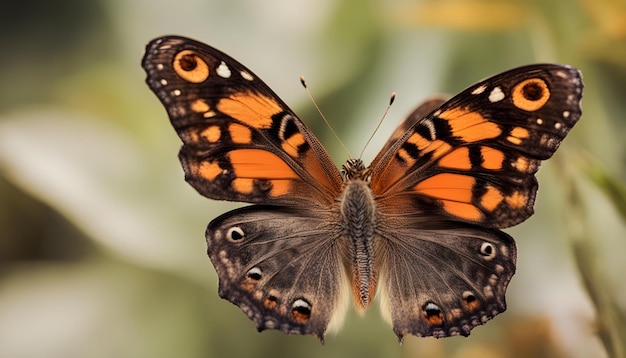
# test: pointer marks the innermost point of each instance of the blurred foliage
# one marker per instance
(101, 241)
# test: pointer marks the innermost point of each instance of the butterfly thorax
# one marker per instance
(357, 211)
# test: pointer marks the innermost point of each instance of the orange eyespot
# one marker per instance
(530, 95)
(190, 67)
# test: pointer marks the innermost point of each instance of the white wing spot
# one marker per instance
(561, 74)
(496, 95)
(479, 90)
(159, 66)
(176, 92)
(557, 125)
(246, 75)
(223, 70)
(164, 82)
(565, 114)
(539, 121)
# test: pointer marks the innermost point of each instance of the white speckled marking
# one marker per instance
(479, 90)
(223, 70)
(246, 75)
(496, 95)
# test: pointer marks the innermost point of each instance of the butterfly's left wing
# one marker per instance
(474, 158)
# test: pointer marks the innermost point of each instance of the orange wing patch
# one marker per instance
(457, 159)
(253, 164)
(455, 193)
(470, 126)
(255, 110)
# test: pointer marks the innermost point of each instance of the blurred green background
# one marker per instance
(102, 250)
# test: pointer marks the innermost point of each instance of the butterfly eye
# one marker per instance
(487, 250)
(190, 67)
(301, 311)
(255, 273)
(433, 314)
(235, 234)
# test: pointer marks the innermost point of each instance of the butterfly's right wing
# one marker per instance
(241, 142)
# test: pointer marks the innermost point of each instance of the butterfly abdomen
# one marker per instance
(357, 213)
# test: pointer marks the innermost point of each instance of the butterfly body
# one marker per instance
(417, 229)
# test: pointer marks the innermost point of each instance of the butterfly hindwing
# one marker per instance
(474, 158)
(292, 279)
(440, 278)
(240, 141)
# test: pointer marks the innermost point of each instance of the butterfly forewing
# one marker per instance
(474, 158)
(240, 141)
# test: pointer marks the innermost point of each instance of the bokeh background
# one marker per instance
(102, 251)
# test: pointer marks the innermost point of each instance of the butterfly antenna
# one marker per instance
(308, 92)
(391, 99)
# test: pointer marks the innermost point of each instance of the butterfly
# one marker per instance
(417, 228)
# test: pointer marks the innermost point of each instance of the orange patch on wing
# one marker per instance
(243, 185)
(209, 170)
(517, 200)
(291, 145)
(521, 164)
(406, 157)
(439, 148)
(259, 164)
(200, 106)
(455, 191)
(280, 187)
(463, 211)
(491, 199)
(434, 319)
(470, 126)
(457, 159)
(253, 109)
(212, 134)
(419, 141)
(455, 187)
(239, 134)
(492, 158)
(520, 132)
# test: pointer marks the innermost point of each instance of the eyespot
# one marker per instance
(190, 67)
(235, 234)
(301, 311)
(470, 300)
(531, 94)
(433, 314)
(488, 250)
(255, 274)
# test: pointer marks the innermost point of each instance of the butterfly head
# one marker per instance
(355, 169)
